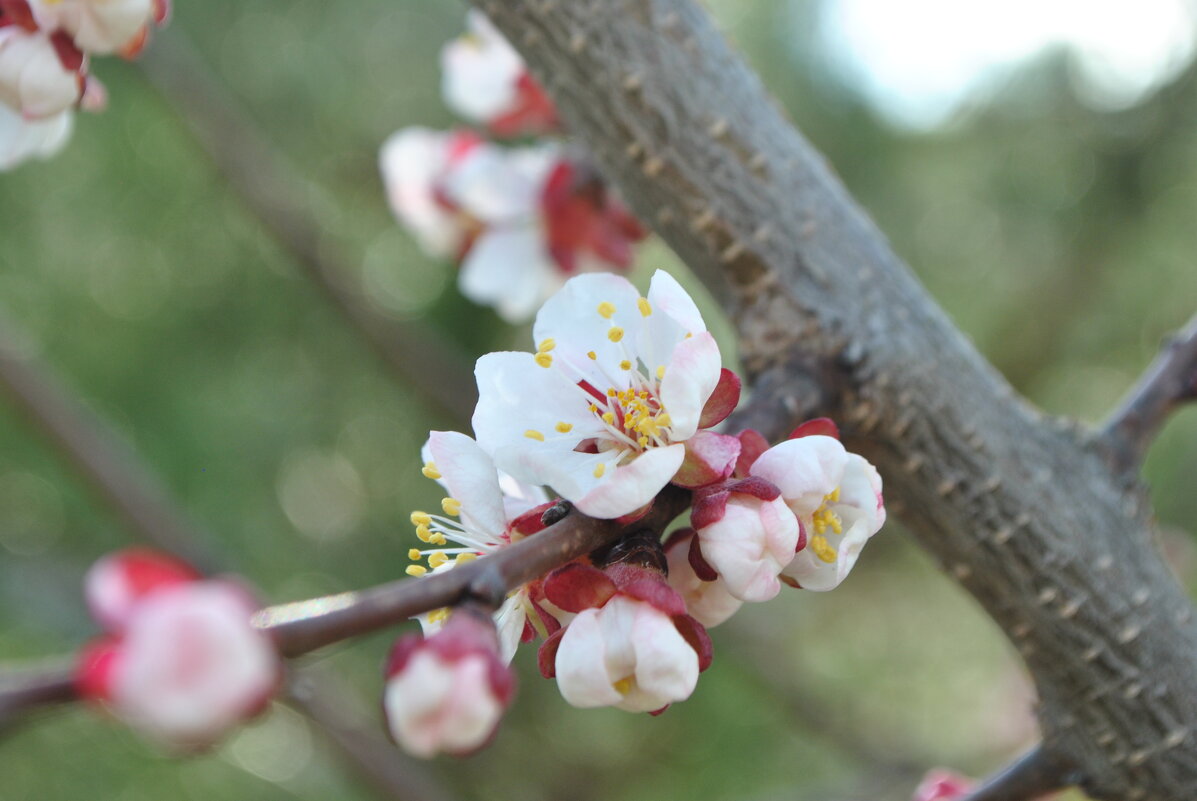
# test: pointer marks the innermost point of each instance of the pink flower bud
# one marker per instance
(40, 74)
(118, 582)
(943, 785)
(447, 693)
(97, 26)
(707, 599)
(188, 667)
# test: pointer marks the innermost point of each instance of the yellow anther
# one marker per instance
(592, 407)
(663, 419)
(833, 496)
(437, 538)
(599, 470)
(606, 309)
(625, 365)
(623, 686)
(644, 394)
(615, 334)
(660, 372)
(563, 427)
(608, 417)
(424, 533)
(438, 559)
(643, 442)
(547, 345)
(416, 570)
(438, 615)
(611, 393)
(532, 433)
(688, 334)
(462, 558)
(452, 506)
(429, 470)
(414, 553)
(822, 549)
(591, 355)
(543, 359)
(645, 307)
(421, 519)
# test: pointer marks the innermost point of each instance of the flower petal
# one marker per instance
(690, 377)
(581, 668)
(508, 268)
(804, 469)
(625, 489)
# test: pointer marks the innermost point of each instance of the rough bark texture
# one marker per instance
(1023, 510)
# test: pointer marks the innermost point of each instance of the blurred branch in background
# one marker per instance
(274, 192)
(130, 490)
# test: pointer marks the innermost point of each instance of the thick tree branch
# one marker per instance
(272, 190)
(1168, 382)
(1017, 507)
(1031, 776)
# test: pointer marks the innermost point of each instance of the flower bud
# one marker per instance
(707, 598)
(749, 541)
(118, 582)
(942, 785)
(40, 75)
(98, 26)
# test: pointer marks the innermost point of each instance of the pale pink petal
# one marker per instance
(666, 665)
(708, 602)
(750, 545)
(582, 675)
(412, 160)
(690, 377)
(629, 487)
(97, 26)
(480, 71)
(470, 476)
(500, 186)
(805, 470)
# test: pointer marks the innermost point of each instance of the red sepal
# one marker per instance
(94, 667)
(576, 586)
(660, 711)
(161, 12)
(701, 567)
(709, 506)
(18, 13)
(69, 54)
(696, 635)
(801, 538)
(710, 458)
(546, 656)
(752, 445)
(529, 522)
(532, 114)
(723, 400)
(822, 426)
(756, 487)
(656, 592)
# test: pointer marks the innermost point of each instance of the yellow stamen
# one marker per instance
(660, 372)
(599, 470)
(438, 538)
(609, 418)
(421, 519)
(625, 365)
(615, 334)
(424, 533)
(592, 407)
(462, 558)
(606, 309)
(563, 427)
(429, 470)
(663, 419)
(438, 615)
(543, 359)
(611, 393)
(452, 506)
(437, 559)
(623, 686)
(547, 345)
(689, 334)
(643, 442)
(823, 549)
(645, 307)
(532, 433)
(416, 570)
(591, 355)
(414, 553)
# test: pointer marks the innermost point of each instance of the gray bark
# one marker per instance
(1023, 510)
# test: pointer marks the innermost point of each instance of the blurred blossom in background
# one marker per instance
(1035, 164)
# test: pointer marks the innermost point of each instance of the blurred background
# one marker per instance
(1035, 163)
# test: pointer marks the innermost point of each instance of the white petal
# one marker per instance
(509, 269)
(708, 602)
(500, 187)
(629, 487)
(411, 162)
(582, 675)
(509, 620)
(666, 665)
(470, 476)
(480, 71)
(690, 377)
(21, 139)
(804, 469)
(750, 546)
(434, 705)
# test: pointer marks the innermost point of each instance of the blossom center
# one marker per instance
(825, 518)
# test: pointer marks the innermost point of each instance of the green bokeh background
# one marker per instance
(1060, 238)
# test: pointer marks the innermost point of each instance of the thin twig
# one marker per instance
(1168, 382)
(1033, 775)
(35, 686)
(273, 192)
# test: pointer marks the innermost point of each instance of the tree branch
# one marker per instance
(1033, 775)
(1016, 506)
(1168, 382)
(30, 686)
(272, 190)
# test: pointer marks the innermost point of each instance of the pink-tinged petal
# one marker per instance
(709, 602)
(690, 377)
(822, 426)
(500, 187)
(629, 487)
(710, 458)
(546, 655)
(412, 161)
(470, 476)
(22, 139)
(723, 400)
(750, 546)
(119, 581)
(575, 587)
(943, 785)
(435, 706)
(508, 268)
(752, 445)
(480, 72)
(581, 664)
(668, 297)
(805, 470)
(666, 664)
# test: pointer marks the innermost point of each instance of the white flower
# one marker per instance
(485, 81)
(602, 411)
(98, 26)
(627, 654)
(837, 497)
(22, 139)
(750, 545)
(447, 693)
(189, 665)
(488, 506)
(35, 80)
(708, 602)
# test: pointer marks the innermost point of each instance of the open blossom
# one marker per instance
(837, 498)
(706, 595)
(632, 644)
(446, 693)
(485, 81)
(22, 139)
(602, 412)
(492, 511)
(184, 665)
(41, 74)
(519, 220)
(101, 26)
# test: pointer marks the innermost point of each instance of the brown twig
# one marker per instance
(1168, 382)
(35, 686)
(272, 190)
(1033, 775)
